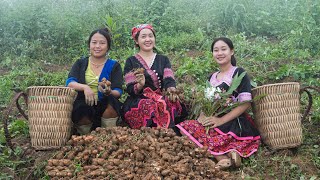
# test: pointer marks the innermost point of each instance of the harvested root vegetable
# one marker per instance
(104, 86)
(123, 153)
(138, 71)
(174, 94)
(105, 82)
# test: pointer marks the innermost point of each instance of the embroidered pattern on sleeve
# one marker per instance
(168, 73)
(130, 78)
(245, 96)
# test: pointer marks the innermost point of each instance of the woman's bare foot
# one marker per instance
(235, 158)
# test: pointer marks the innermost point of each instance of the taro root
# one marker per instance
(104, 86)
(123, 153)
(94, 152)
(138, 71)
(129, 176)
(139, 156)
(176, 94)
(88, 138)
(59, 155)
(104, 82)
(165, 172)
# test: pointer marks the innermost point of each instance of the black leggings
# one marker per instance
(93, 113)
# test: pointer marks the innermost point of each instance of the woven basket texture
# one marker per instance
(277, 115)
(49, 111)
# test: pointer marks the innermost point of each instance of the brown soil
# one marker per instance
(56, 68)
(270, 164)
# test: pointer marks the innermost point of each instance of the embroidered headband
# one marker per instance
(139, 27)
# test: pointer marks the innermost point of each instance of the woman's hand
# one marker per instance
(173, 95)
(90, 96)
(105, 87)
(140, 78)
(202, 118)
(106, 90)
(212, 121)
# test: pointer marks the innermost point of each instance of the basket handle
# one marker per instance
(7, 112)
(306, 112)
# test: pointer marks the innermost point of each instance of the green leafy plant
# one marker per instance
(41, 39)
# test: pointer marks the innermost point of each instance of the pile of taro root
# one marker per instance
(123, 153)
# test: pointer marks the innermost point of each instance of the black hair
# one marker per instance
(229, 43)
(105, 32)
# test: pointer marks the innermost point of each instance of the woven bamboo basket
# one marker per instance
(277, 115)
(49, 115)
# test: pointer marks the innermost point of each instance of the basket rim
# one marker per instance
(275, 84)
(50, 87)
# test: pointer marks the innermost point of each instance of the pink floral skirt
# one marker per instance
(151, 110)
(217, 141)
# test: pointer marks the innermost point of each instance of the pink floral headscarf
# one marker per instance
(139, 27)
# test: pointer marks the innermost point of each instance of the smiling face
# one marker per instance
(146, 40)
(222, 52)
(98, 46)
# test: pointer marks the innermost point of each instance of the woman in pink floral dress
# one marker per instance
(233, 134)
(146, 106)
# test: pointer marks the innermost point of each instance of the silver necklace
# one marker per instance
(97, 65)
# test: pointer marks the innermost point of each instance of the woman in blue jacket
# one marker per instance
(96, 104)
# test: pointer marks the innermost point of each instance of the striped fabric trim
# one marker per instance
(149, 71)
(167, 72)
(245, 96)
(130, 78)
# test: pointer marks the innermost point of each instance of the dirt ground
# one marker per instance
(266, 164)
